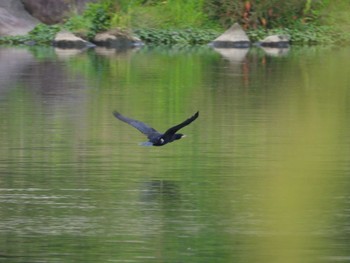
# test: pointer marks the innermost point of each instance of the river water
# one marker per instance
(262, 176)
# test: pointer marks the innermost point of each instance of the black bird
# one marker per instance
(156, 138)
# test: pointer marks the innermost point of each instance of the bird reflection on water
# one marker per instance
(160, 189)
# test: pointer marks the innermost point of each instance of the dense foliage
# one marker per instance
(96, 18)
(42, 35)
(187, 22)
(171, 37)
(268, 14)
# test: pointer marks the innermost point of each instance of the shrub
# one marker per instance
(42, 35)
(268, 14)
(96, 18)
(188, 36)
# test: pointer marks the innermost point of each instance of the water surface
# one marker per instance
(262, 176)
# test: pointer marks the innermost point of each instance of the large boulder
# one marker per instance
(14, 19)
(234, 37)
(54, 11)
(116, 39)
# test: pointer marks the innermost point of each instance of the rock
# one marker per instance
(234, 37)
(14, 19)
(116, 39)
(65, 39)
(279, 41)
(54, 11)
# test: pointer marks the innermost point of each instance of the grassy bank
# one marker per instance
(199, 22)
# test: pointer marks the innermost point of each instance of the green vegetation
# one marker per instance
(157, 22)
(171, 37)
(198, 22)
(96, 18)
(41, 35)
(305, 21)
(302, 33)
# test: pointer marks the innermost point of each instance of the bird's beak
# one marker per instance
(183, 136)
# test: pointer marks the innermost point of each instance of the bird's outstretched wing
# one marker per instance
(174, 129)
(145, 129)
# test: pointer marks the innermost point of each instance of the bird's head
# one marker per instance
(159, 141)
(178, 136)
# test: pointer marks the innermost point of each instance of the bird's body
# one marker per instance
(156, 138)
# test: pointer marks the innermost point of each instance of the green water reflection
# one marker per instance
(261, 177)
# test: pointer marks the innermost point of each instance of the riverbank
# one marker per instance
(170, 25)
(306, 34)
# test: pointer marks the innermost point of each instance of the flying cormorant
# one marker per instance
(156, 138)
